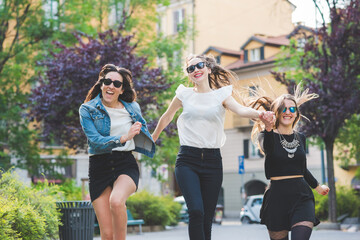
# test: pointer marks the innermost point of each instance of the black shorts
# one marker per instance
(104, 169)
(287, 202)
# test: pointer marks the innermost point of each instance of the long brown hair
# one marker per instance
(277, 106)
(219, 76)
(128, 95)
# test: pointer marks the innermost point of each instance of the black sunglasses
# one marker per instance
(291, 109)
(108, 81)
(199, 65)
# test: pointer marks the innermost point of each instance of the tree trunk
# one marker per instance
(331, 180)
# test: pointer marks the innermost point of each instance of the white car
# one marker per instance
(250, 213)
(184, 215)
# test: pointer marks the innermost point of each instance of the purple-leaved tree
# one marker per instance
(72, 71)
(329, 64)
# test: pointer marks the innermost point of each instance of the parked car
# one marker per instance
(184, 215)
(250, 213)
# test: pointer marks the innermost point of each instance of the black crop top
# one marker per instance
(277, 162)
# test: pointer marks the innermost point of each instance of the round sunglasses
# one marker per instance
(199, 65)
(291, 109)
(108, 81)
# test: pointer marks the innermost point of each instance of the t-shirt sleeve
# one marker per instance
(180, 92)
(225, 92)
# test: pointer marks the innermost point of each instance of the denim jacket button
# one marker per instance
(117, 141)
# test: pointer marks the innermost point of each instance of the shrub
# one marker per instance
(155, 210)
(346, 199)
(66, 191)
(26, 213)
(173, 208)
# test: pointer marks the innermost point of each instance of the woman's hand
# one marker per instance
(268, 118)
(322, 189)
(134, 130)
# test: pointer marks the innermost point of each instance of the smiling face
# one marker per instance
(198, 75)
(287, 118)
(110, 93)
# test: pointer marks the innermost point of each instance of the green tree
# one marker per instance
(22, 27)
(328, 65)
(348, 143)
(27, 29)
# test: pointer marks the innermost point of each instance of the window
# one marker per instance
(179, 16)
(255, 55)
(250, 150)
(54, 172)
(116, 12)
(176, 59)
(51, 9)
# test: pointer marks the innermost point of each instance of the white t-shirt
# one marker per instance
(121, 123)
(201, 124)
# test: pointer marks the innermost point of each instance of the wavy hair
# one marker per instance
(128, 95)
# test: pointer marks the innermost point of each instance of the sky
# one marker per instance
(305, 12)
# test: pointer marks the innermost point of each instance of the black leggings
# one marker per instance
(199, 174)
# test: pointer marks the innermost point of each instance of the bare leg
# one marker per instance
(279, 235)
(123, 187)
(102, 210)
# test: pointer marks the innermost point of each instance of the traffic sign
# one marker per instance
(241, 164)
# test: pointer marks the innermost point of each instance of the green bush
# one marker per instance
(155, 210)
(66, 191)
(173, 208)
(26, 213)
(347, 202)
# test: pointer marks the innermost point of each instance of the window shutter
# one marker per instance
(262, 56)
(245, 56)
(176, 21)
(218, 59)
(246, 148)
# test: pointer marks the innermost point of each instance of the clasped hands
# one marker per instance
(268, 118)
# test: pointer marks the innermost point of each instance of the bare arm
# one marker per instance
(167, 117)
(239, 109)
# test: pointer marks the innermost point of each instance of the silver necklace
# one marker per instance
(290, 147)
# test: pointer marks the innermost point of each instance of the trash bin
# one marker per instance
(78, 218)
(219, 213)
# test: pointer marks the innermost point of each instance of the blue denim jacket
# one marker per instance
(95, 122)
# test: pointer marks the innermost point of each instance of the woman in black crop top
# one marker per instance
(288, 204)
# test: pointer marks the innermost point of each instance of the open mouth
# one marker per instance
(110, 92)
(197, 75)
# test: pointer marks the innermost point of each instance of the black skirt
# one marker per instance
(286, 203)
(104, 169)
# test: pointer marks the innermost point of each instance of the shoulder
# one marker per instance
(225, 89)
(224, 92)
(301, 136)
(93, 102)
(183, 91)
(133, 104)
(182, 88)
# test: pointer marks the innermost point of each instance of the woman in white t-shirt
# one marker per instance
(198, 167)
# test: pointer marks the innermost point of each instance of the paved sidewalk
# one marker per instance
(235, 230)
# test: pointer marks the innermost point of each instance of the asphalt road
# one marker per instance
(235, 230)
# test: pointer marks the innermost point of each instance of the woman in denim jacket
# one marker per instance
(114, 127)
